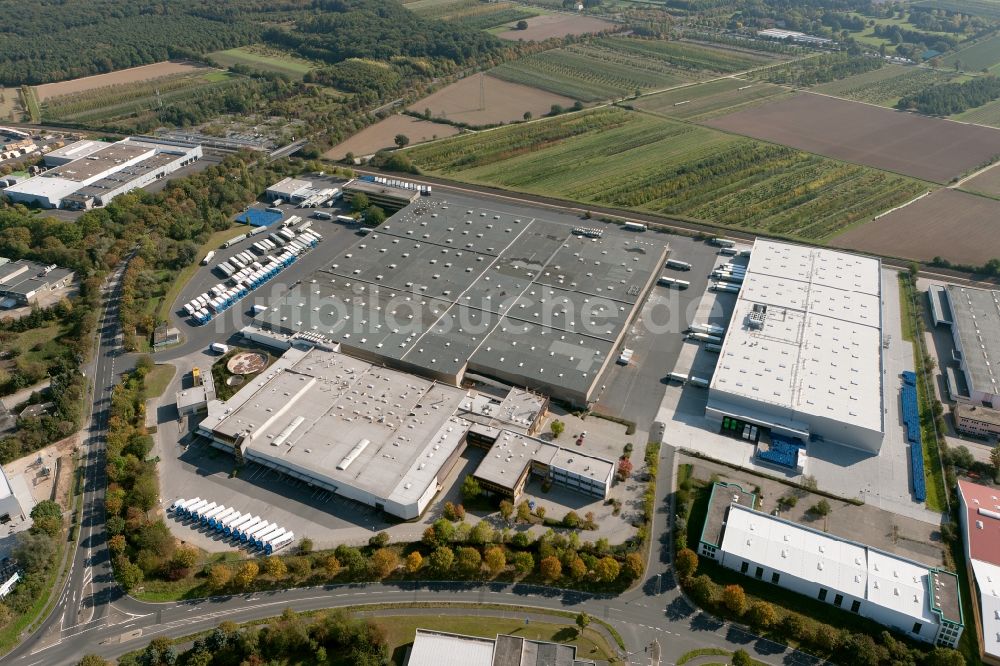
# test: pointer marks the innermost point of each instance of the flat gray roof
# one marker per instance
(500, 292)
(977, 413)
(312, 408)
(98, 162)
(124, 176)
(25, 277)
(977, 319)
(723, 496)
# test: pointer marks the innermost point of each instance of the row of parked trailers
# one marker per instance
(424, 190)
(254, 272)
(244, 528)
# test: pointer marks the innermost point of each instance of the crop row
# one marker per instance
(619, 158)
(68, 106)
(688, 55)
(886, 86)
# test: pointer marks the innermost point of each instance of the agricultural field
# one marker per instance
(987, 114)
(125, 76)
(557, 25)
(984, 55)
(126, 100)
(987, 182)
(615, 157)
(504, 101)
(984, 8)
(10, 104)
(382, 134)
(887, 85)
(263, 59)
(712, 98)
(472, 13)
(958, 226)
(619, 66)
(929, 148)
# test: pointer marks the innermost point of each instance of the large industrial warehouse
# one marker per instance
(802, 357)
(386, 438)
(445, 288)
(975, 327)
(90, 174)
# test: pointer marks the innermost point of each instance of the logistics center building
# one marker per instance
(975, 327)
(979, 512)
(91, 175)
(445, 288)
(919, 601)
(802, 356)
(377, 435)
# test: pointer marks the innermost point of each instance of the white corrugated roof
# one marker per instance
(841, 566)
(433, 648)
(819, 350)
(988, 581)
(801, 552)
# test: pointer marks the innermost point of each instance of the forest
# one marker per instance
(949, 98)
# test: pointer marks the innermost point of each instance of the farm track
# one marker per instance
(668, 224)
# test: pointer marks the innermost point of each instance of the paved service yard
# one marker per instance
(634, 392)
(882, 481)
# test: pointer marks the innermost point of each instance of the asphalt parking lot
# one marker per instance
(635, 391)
(336, 237)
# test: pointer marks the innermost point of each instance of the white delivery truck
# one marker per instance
(219, 348)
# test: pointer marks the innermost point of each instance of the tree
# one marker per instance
(496, 560)
(551, 568)
(523, 513)
(129, 574)
(522, 25)
(246, 575)
(582, 621)
(624, 468)
(686, 564)
(555, 110)
(117, 543)
(524, 563)
(703, 590)
(374, 216)
(506, 510)
(219, 576)
(735, 599)
(578, 568)
(527, 115)
(384, 561)
(449, 511)
(633, 565)
(820, 508)
(571, 520)
(995, 458)
(414, 561)
(46, 509)
(942, 656)
(607, 569)
(380, 540)
(470, 488)
(540, 512)
(275, 567)
(469, 560)
(762, 615)
(442, 558)
(93, 660)
(742, 658)
(481, 534)
(401, 140)
(360, 202)
(331, 565)
(557, 427)
(305, 546)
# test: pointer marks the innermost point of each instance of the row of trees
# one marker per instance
(325, 638)
(949, 98)
(35, 555)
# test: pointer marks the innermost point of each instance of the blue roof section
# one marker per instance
(256, 217)
(784, 451)
(911, 418)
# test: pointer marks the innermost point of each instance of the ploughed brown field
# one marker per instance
(987, 182)
(505, 101)
(132, 75)
(557, 25)
(928, 148)
(383, 134)
(961, 227)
